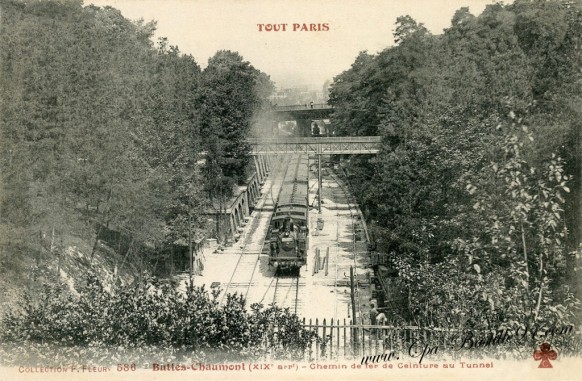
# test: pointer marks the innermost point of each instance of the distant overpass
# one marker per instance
(349, 145)
(304, 111)
(304, 107)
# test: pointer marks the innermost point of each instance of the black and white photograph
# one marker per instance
(293, 190)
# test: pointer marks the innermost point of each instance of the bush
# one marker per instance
(145, 321)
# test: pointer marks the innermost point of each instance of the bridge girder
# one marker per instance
(319, 146)
(295, 112)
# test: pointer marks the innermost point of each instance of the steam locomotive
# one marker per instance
(288, 232)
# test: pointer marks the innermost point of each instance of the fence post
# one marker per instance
(345, 344)
(371, 336)
(317, 346)
(324, 343)
(331, 339)
(311, 346)
(304, 327)
(338, 338)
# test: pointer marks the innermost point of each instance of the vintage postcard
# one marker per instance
(310, 189)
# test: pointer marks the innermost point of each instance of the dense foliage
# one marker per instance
(100, 128)
(229, 114)
(96, 326)
(475, 192)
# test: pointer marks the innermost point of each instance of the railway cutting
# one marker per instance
(291, 255)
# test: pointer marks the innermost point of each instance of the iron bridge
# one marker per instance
(320, 146)
(305, 107)
(306, 111)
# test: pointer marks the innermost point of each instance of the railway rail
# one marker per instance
(244, 269)
(255, 247)
(286, 292)
(251, 251)
(352, 209)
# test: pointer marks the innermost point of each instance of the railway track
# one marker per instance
(353, 211)
(251, 249)
(250, 274)
(253, 243)
(286, 293)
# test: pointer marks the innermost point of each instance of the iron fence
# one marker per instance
(338, 339)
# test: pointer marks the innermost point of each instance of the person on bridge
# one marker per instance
(311, 104)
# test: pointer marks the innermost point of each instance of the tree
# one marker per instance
(436, 101)
(232, 93)
(99, 129)
(232, 97)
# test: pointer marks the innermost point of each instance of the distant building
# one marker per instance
(297, 96)
(325, 91)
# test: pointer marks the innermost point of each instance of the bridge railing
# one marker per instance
(314, 106)
(319, 146)
(315, 140)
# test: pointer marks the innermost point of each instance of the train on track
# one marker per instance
(288, 234)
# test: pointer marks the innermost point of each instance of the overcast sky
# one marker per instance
(291, 58)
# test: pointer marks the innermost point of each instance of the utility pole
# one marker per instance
(319, 176)
(354, 320)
